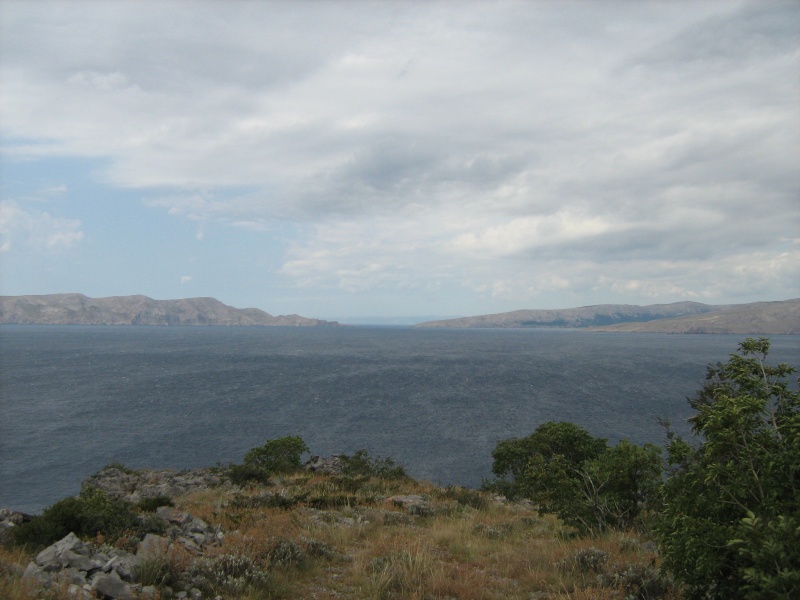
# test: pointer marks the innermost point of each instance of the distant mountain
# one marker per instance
(586, 316)
(758, 318)
(77, 309)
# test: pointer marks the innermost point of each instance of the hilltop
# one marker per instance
(77, 309)
(757, 318)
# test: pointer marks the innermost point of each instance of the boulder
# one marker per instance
(153, 545)
(173, 515)
(110, 586)
(61, 553)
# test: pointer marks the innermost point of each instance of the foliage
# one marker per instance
(156, 570)
(88, 515)
(247, 474)
(566, 471)
(281, 455)
(361, 464)
(571, 443)
(731, 516)
(234, 574)
(151, 503)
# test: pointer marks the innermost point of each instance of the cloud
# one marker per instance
(507, 150)
(185, 279)
(36, 229)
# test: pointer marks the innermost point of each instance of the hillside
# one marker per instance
(757, 318)
(77, 309)
(586, 316)
(320, 535)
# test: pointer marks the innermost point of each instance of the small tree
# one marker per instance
(562, 442)
(566, 471)
(731, 520)
(281, 455)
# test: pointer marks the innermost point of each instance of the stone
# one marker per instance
(126, 567)
(77, 592)
(173, 515)
(153, 545)
(190, 545)
(112, 587)
(73, 575)
(330, 466)
(32, 572)
(198, 525)
(68, 558)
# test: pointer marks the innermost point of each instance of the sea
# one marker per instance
(437, 401)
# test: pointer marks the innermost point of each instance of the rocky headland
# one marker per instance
(757, 318)
(77, 309)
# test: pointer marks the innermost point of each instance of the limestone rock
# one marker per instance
(111, 586)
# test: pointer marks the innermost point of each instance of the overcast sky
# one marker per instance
(344, 159)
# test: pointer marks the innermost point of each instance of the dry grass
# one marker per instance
(313, 536)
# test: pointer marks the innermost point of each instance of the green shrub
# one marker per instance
(281, 455)
(730, 526)
(361, 464)
(151, 504)
(566, 471)
(247, 474)
(88, 515)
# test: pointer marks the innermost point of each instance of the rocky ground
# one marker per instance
(319, 534)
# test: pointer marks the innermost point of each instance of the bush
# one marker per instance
(730, 526)
(234, 574)
(151, 504)
(566, 471)
(361, 464)
(247, 474)
(88, 515)
(637, 581)
(281, 455)
(585, 560)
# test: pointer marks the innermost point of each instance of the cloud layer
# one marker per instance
(509, 155)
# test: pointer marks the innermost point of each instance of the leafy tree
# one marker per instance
(568, 472)
(731, 519)
(562, 442)
(281, 455)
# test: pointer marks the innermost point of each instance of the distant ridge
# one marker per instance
(757, 318)
(77, 309)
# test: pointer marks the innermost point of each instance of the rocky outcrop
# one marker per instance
(77, 309)
(135, 485)
(326, 466)
(10, 519)
(91, 571)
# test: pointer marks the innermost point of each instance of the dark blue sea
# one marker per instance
(437, 401)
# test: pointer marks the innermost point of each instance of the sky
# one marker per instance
(358, 160)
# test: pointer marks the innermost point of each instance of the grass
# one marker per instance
(324, 537)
